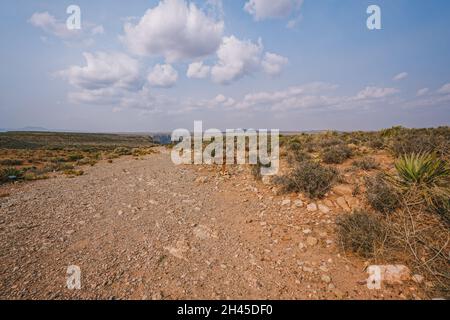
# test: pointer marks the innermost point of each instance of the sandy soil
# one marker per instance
(146, 229)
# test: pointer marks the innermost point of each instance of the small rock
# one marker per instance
(286, 202)
(343, 190)
(298, 203)
(417, 278)
(342, 203)
(311, 241)
(325, 278)
(266, 180)
(324, 208)
(311, 207)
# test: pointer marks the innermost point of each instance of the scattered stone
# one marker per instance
(311, 241)
(286, 202)
(201, 180)
(343, 190)
(342, 203)
(298, 203)
(324, 208)
(266, 180)
(311, 207)
(325, 278)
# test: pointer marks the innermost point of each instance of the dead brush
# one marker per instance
(362, 233)
(425, 239)
(309, 177)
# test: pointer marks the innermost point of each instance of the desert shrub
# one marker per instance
(75, 157)
(381, 195)
(367, 163)
(312, 178)
(362, 233)
(298, 156)
(7, 173)
(329, 142)
(336, 154)
(11, 162)
(294, 145)
(122, 151)
(74, 172)
(376, 143)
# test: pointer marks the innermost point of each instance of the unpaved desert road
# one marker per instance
(147, 229)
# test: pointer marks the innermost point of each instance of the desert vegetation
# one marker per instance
(26, 156)
(401, 179)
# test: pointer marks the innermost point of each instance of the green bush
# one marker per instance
(311, 178)
(362, 233)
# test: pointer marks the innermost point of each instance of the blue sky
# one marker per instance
(298, 65)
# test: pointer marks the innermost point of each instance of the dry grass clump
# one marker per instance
(336, 154)
(363, 233)
(309, 177)
(381, 196)
(123, 151)
(366, 163)
(297, 156)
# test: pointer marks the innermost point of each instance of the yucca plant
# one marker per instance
(422, 169)
(425, 177)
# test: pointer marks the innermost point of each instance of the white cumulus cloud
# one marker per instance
(164, 76)
(176, 30)
(238, 58)
(273, 63)
(266, 9)
(198, 70)
(104, 70)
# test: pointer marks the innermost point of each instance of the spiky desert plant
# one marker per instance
(425, 176)
(422, 168)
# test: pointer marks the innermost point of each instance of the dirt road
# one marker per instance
(146, 229)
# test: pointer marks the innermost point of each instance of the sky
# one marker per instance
(293, 65)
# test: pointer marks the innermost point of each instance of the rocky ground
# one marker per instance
(146, 229)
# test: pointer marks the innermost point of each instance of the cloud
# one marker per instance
(52, 26)
(422, 92)
(104, 70)
(400, 76)
(238, 58)
(176, 30)
(273, 63)
(198, 70)
(445, 89)
(267, 9)
(375, 93)
(164, 76)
